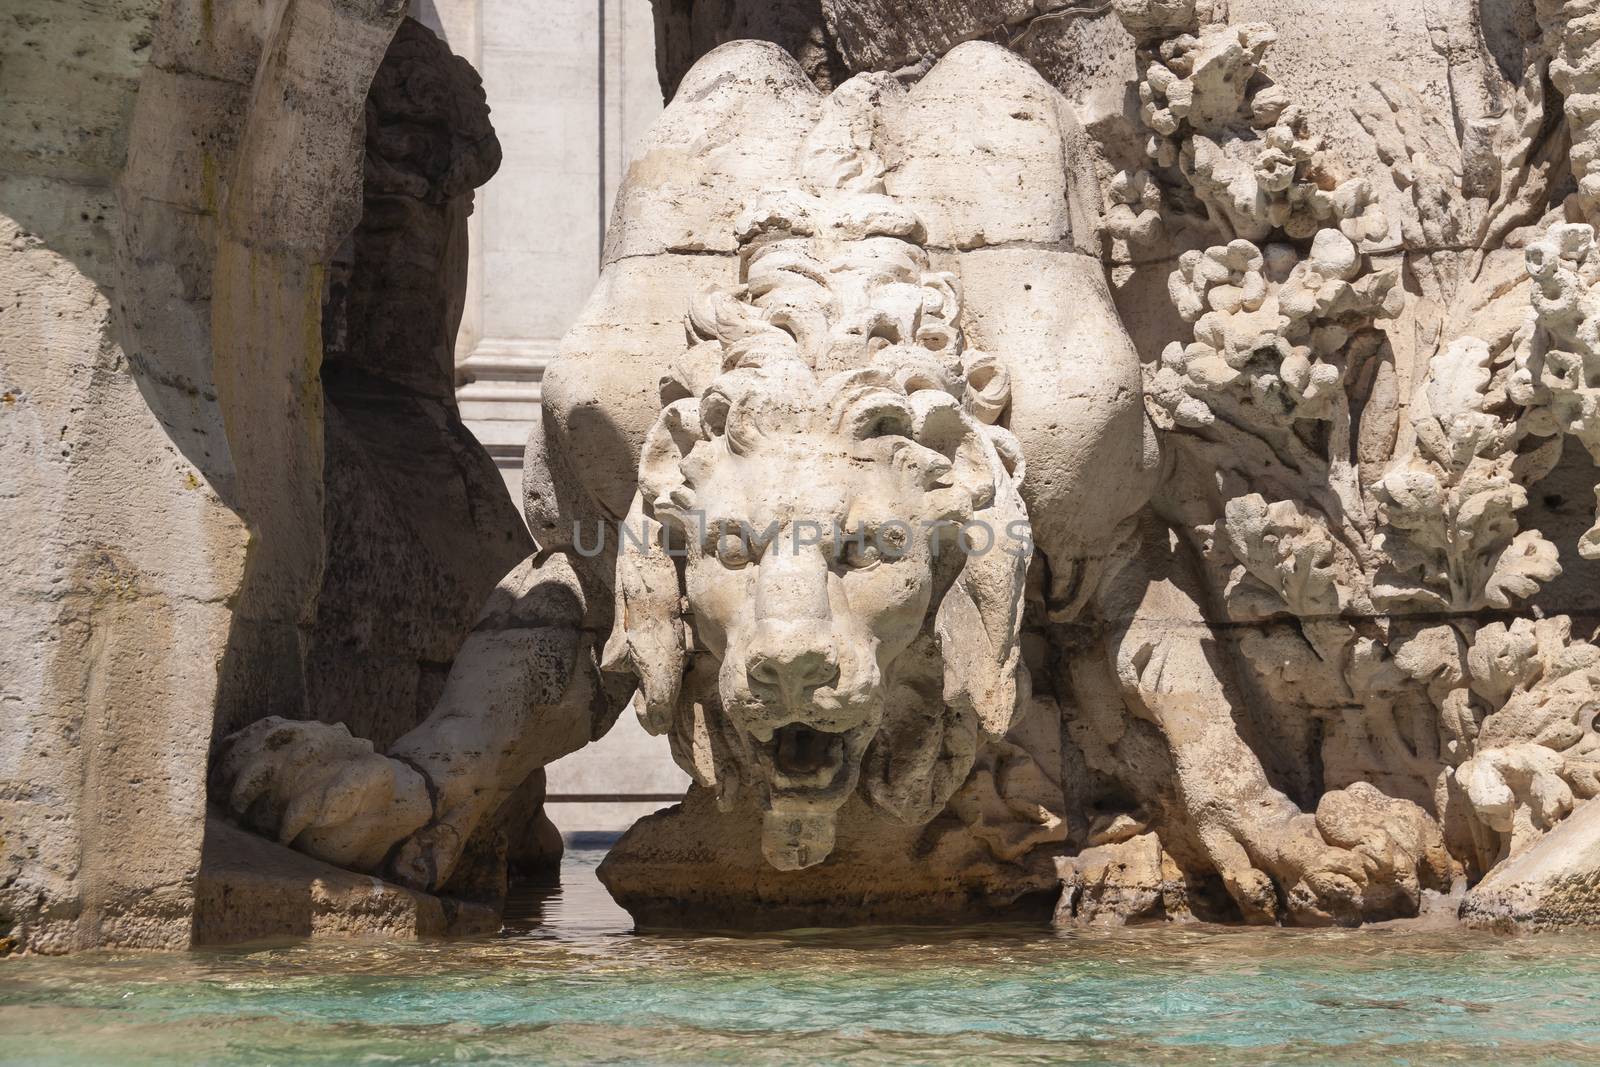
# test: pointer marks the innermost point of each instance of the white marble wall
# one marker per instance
(571, 86)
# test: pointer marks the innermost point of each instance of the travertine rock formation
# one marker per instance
(251, 890)
(1553, 885)
(189, 550)
(430, 704)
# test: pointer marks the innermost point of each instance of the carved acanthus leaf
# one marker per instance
(1286, 560)
(1558, 363)
(1537, 751)
(1447, 509)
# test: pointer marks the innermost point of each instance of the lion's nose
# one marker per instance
(792, 659)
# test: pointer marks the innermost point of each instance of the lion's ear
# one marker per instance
(661, 482)
(979, 621)
(648, 634)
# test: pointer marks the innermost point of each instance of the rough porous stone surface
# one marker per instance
(119, 556)
(250, 889)
(1126, 882)
(1553, 885)
(832, 39)
(434, 810)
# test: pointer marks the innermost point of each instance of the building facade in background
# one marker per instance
(572, 85)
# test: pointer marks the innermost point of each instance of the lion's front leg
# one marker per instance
(1254, 835)
(521, 692)
(1271, 856)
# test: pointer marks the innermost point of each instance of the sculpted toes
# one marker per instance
(1253, 892)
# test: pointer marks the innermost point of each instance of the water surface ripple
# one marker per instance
(579, 987)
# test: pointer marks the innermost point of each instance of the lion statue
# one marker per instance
(832, 453)
(845, 476)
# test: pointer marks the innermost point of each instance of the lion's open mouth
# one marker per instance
(803, 752)
(802, 760)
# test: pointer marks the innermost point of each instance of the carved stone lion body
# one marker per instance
(824, 484)
(844, 472)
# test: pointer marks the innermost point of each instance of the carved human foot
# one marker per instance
(315, 788)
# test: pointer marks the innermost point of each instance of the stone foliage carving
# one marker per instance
(1558, 364)
(1570, 30)
(1368, 554)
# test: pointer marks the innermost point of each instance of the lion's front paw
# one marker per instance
(312, 786)
(1278, 868)
(1321, 883)
(1400, 845)
(1362, 857)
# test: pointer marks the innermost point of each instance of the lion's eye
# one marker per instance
(732, 549)
(892, 540)
(859, 552)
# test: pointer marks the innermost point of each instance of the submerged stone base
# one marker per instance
(251, 889)
(692, 866)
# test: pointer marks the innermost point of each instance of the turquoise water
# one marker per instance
(577, 987)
